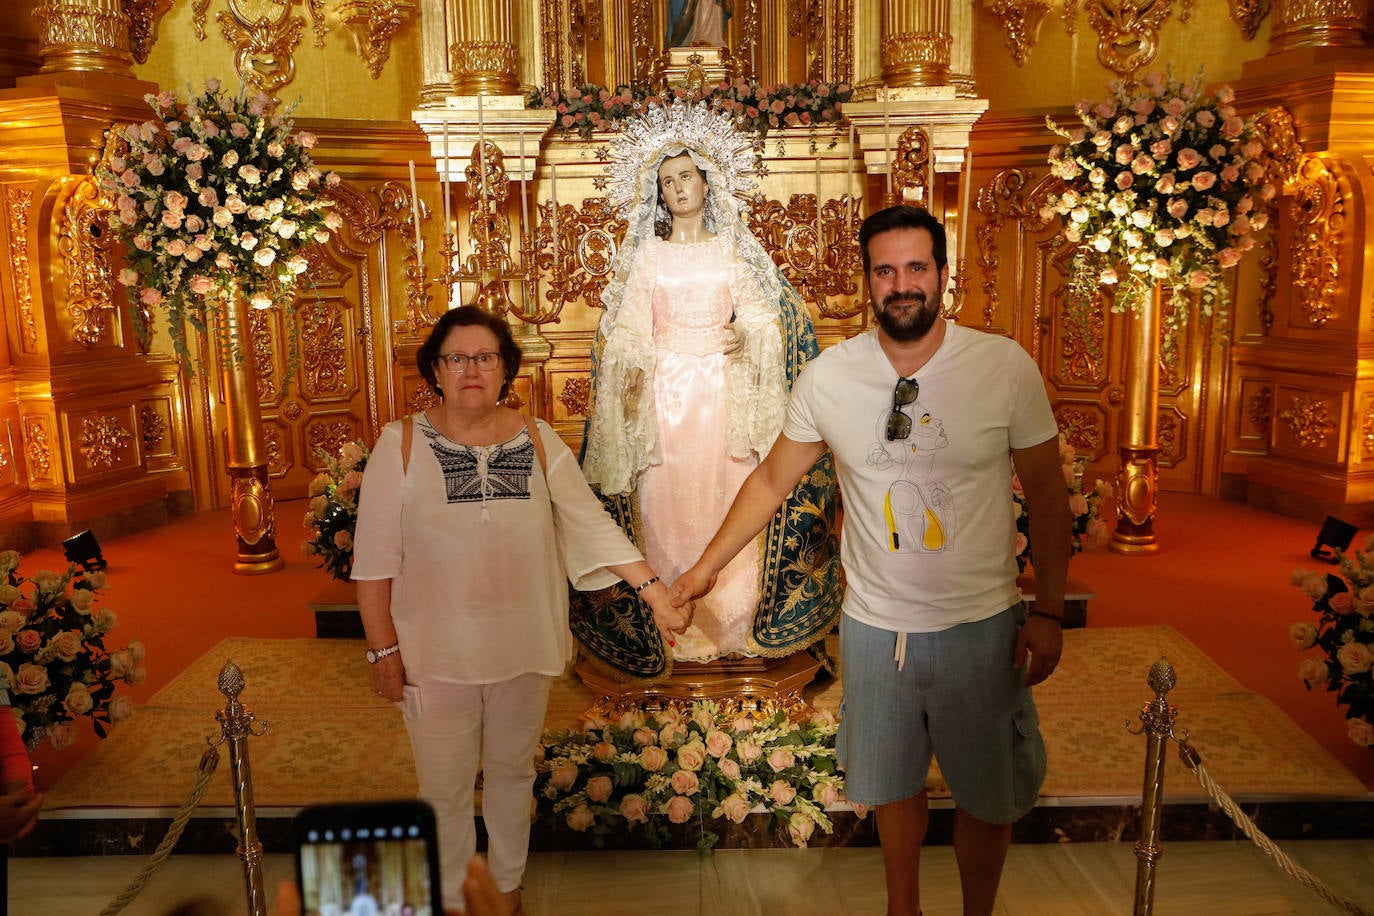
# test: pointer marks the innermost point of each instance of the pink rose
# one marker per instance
(672, 734)
(680, 810)
(150, 296)
(634, 809)
(718, 743)
(1341, 603)
(1355, 658)
(800, 826)
(730, 768)
(653, 758)
(685, 782)
(1177, 208)
(28, 640)
(780, 759)
(23, 605)
(1360, 731)
(201, 284)
(1313, 671)
(692, 756)
(645, 736)
(825, 794)
(78, 701)
(781, 792)
(1175, 106)
(1188, 158)
(604, 751)
(1204, 180)
(563, 776)
(599, 788)
(743, 725)
(748, 751)
(580, 818)
(734, 807)
(1124, 180)
(31, 678)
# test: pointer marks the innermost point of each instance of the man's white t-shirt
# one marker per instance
(928, 537)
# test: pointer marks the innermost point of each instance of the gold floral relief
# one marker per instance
(1247, 15)
(576, 396)
(37, 449)
(422, 398)
(373, 24)
(1169, 435)
(328, 436)
(324, 359)
(818, 253)
(144, 16)
(1128, 33)
(261, 353)
(1082, 428)
(588, 235)
(84, 240)
(1259, 411)
(264, 35)
(271, 446)
(554, 32)
(911, 165)
(1367, 431)
(18, 201)
(1317, 208)
(1309, 421)
(102, 440)
(154, 428)
(1020, 20)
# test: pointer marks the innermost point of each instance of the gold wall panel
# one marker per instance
(1309, 423)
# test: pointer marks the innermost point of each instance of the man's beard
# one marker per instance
(912, 326)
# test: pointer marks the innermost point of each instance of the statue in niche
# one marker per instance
(697, 347)
(697, 23)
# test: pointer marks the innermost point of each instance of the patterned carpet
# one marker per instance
(330, 738)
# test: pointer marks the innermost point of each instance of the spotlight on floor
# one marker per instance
(83, 549)
(1333, 539)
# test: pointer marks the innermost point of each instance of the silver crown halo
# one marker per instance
(646, 138)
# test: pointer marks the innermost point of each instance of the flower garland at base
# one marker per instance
(1089, 530)
(333, 512)
(1344, 634)
(698, 765)
(53, 658)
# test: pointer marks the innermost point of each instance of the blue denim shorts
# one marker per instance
(957, 698)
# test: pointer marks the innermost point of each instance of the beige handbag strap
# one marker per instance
(407, 434)
(538, 444)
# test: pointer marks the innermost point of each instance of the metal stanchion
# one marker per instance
(1157, 723)
(236, 726)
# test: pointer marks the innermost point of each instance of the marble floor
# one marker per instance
(1070, 879)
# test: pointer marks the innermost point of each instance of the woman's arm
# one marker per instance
(656, 595)
(388, 675)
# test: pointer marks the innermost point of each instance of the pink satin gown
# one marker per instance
(684, 499)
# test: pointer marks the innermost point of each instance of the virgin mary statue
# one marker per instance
(698, 344)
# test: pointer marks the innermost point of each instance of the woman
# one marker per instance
(698, 342)
(462, 554)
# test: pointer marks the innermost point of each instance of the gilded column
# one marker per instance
(916, 43)
(1138, 480)
(1317, 24)
(84, 35)
(434, 44)
(249, 498)
(482, 55)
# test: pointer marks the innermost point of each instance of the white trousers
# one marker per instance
(454, 726)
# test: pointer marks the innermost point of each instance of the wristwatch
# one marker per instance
(373, 656)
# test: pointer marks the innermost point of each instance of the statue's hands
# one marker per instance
(734, 339)
(669, 617)
(629, 395)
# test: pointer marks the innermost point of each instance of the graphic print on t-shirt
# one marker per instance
(918, 506)
(503, 471)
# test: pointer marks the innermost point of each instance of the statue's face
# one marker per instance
(682, 185)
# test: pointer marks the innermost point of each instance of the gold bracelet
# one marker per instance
(645, 584)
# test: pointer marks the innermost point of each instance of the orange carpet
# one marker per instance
(1220, 580)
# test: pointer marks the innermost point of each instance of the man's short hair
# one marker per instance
(903, 216)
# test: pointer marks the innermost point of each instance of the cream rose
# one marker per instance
(61, 735)
(653, 758)
(1303, 635)
(781, 791)
(718, 743)
(672, 734)
(799, 828)
(734, 807)
(66, 644)
(1355, 657)
(730, 768)
(580, 818)
(680, 810)
(1360, 731)
(120, 709)
(780, 759)
(78, 701)
(645, 736)
(31, 678)
(692, 755)
(825, 794)
(685, 782)
(599, 788)
(563, 776)
(603, 751)
(10, 620)
(1313, 671)
(634, 809)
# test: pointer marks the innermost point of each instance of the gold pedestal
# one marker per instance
(1137, 482)
(697, 68)
(752, 683)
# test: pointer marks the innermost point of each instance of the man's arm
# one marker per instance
(1047, 502)
(763, 491)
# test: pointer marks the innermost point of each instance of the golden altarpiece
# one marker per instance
(948, 111)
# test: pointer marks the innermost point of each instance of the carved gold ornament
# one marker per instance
(1128, 32)
(17, 204)
(576, 396)
(329, 436)
(1020, 20)
(1309, 420)
(1367, 428)
(144, 16)
(1259, 410)
(788, 232)
(1274, 129)
(252, 510)
(154, 428)
(264, 36)
(373, 24)
(102, 440)
(1317, 206)
(911, 165)
(1082, 428)
(1247, 15)
(36, 448)
(260, 340)
(482, 61)
(84, 239)
(324, 360)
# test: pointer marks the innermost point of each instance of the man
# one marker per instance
(921, 416)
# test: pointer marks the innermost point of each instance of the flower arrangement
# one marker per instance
(333, 512)
(697, 765)
(1344, 636)
(757, 109)
(212, 196)
(1089, 530)
(53, 658)
(1163, 184)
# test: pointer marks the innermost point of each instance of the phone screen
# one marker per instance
(368, 860)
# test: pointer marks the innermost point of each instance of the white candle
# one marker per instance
(481, 152)
(853, 197)
(524, 205)
(965, 211)
(553, 206)
(447, 187)
(887, 141)
(415, 210)
(820, 246)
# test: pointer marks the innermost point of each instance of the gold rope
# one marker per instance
(208, 761)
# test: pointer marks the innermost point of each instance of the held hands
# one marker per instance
(669, 616)
(694, 583)
(388, 676)
(1043, 640)
(18, 812)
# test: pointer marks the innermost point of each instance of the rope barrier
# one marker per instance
(208, 761)
(1193, 760)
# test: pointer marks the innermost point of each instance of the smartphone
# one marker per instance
(368, 859)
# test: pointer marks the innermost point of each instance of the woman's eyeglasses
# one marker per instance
(458, 362)
(898, 423)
